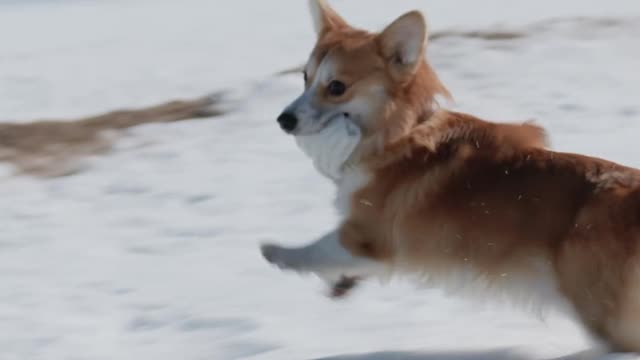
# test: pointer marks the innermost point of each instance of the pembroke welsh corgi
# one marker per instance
(448, 197)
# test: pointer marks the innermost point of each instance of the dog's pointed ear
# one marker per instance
(324, 17)
(403, 44)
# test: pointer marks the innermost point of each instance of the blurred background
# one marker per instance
(133, 234)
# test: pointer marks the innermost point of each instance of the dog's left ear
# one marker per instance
(324, 17)
(403, 44)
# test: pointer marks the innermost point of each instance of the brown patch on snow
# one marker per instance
(51, 148)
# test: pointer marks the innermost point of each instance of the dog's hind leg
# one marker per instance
(328, 259)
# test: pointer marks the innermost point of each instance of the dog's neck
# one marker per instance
(332, 149)
(397, 125)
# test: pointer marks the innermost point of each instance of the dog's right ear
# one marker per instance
(403, 44)
(324, 17)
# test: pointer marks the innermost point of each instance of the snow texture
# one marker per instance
(152, 251)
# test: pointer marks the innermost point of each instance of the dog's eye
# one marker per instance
(336, 88)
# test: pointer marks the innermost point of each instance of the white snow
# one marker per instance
(152, 251)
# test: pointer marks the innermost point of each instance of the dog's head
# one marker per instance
(362, 76)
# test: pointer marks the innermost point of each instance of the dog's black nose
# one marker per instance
(288, 121)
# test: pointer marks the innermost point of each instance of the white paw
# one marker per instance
(281, 257)
(290, 259)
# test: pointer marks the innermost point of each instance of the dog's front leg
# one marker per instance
(328, 259)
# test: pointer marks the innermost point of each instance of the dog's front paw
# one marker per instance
(270, 252)
(281, 257)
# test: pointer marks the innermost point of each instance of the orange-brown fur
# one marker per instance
(463, 192)
(448, 191)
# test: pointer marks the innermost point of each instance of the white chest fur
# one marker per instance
(330, 151)
(352, 180)
(331, 148)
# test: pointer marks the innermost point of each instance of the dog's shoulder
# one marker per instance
(447, 135)
(446, 128)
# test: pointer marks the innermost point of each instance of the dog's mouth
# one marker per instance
(322, 124)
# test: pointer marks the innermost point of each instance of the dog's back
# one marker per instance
(462, 194)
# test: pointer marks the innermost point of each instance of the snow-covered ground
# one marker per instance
(151, 252)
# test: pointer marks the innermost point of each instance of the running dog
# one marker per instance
(451, 198)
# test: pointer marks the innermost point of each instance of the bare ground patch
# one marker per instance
(50, 148)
